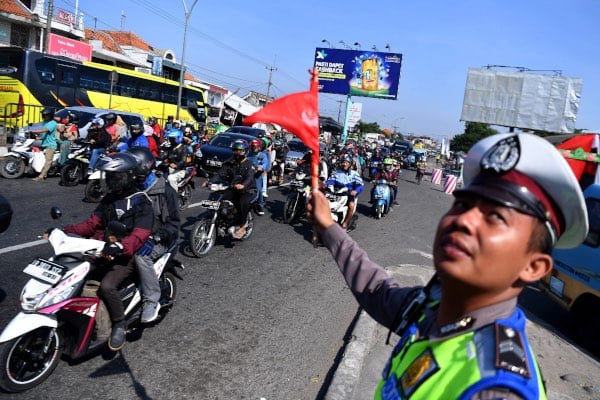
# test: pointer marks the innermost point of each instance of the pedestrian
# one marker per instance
(49, 142)
(463, 335)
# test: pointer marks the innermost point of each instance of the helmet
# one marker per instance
(110, 117)
(121, 170)
(99, 122)
(266, 142)
(176, 122)
(388, 161)
(239, 145)
(48, 111)
(72, 118)
(152, 120)
(345, 157)
(277, 143)
(136, 130)
(175, 133)
(145, 159)
(256, 143)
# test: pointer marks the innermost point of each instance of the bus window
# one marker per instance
(67, 75)
(149, 90)
(127, 86)
(169, 94)
(45, 68)
(94, 79)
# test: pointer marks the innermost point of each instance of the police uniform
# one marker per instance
(484, 354)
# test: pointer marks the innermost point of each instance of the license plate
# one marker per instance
(45, 270)
(214, 163)
(210, 204)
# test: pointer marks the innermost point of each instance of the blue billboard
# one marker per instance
(358, 73)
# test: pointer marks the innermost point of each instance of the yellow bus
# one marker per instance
(30, 80)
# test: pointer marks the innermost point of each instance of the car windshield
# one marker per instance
(298, 146)
(246, 130)
(222, 141)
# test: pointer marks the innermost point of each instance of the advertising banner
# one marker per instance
(358, 73)
(355, 111)
(63, 46)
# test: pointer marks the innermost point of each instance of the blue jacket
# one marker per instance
(350, 179)
(259, 159)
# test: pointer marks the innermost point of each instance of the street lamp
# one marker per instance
(345, 45)
(182, 74)
(357, 45)
(388, 48)
(328, 44)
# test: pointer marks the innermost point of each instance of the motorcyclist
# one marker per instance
(49, 142)
(165, 230)
(345, 176)
(175, 158)
(305, 163)
(112, 128)
(390, 173)
(239, 172)
(137, 138)
(280, 154)
(421, 167)
(260, 161)
(99, 140)
(125, 204)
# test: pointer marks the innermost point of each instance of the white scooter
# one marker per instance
(338, 202)
(26, 157)
(61, 310)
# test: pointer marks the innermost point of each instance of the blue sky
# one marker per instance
(233, 43)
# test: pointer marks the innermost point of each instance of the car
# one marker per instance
(218, 149)
(247, 130)
(87, 114)
(296, 150)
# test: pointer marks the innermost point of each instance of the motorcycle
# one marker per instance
(338, 202)
(295, 203)
(382, 198)
(61, 313)
(95, 188)
(22, 159)
(218, 219)
(185, 187)
(75, 169)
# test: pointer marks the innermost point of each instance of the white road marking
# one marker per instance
(23, 246)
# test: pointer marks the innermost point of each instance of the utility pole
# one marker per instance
(340, 102)
(182, 73)
(48, 25)
(271, 69)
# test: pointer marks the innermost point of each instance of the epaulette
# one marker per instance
(510, 351)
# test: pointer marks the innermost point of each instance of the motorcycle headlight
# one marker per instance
(39, 300)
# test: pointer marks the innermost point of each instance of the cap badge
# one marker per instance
(503, 156)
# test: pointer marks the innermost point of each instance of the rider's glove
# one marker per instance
(48, 231)
(112, 250)
(146, 248)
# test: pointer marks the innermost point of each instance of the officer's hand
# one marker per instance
(47, 233)
(353, 193)
(238, 186)
(146, 248)
(205, 184)
(112, 250)
(318, 210)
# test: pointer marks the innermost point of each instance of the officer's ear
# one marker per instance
(539, 264)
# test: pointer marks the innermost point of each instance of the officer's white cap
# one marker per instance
(495, 156)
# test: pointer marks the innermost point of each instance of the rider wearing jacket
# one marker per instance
(239, 172)
(260, 161)
(390, 174)
(165, 230)
(133, 209)
(347, 177)
(176, 156)
(99, 140)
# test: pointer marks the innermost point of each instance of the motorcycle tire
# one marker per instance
(12, 167)
(290, 209)
(94, 191)
(69, 174)
(200, 240)
(378, 211)
(249, 226)
(25, 364)
(168, 289)
(185, 197)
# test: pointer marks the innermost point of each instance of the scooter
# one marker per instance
(295, 203)
(75, 169)
(61, 310)
(26, 157)
(185, 187)
(382, 197)
(218, 219)
(338, 202)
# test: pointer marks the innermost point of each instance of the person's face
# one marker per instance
(345, 165)
(482, 247)
(238, 154)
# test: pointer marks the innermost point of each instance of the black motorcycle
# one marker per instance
(75, 169)
(295, 203)
(218, 219)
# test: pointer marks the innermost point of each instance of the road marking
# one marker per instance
(23, 246)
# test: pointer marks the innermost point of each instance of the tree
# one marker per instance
(369, 127)
(474, 132)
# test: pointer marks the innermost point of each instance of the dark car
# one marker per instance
(247, 130)
(218, 149)
(296, 150)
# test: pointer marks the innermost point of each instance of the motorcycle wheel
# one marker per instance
(69, 174)
(200, 241)
(290, 209)
(94, 191)
(27, 361)
(185, 197)
(168, 289)
(12, 167)
(249, 226)
(378, 211)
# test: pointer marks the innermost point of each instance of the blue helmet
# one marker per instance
(175, 133)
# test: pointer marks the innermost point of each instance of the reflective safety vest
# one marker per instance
(458, 367)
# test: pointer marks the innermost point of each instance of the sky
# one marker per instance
(239, 44)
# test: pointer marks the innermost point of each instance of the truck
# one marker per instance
(574, 282)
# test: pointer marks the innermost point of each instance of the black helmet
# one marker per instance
(136, 130)
(145, 159)
(72, 118)
(48, 111)
(110, 117)
(121, 171)
(346, 157)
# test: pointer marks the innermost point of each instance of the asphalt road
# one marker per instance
(262, 319)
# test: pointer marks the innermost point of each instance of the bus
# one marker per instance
(30, 80)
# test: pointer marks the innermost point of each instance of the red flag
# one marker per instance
(297, 113)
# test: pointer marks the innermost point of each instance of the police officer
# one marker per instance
(463, 335)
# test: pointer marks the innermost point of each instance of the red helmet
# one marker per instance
(256, 143)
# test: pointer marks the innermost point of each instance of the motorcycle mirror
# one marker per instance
(55, 212)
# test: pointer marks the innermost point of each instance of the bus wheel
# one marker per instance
(585, 324)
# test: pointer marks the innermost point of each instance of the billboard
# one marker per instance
(63, 46)
(355, 113)
(358, 73)
(522, 100)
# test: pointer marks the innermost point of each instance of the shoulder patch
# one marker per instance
(510, 351)
(418, 371)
